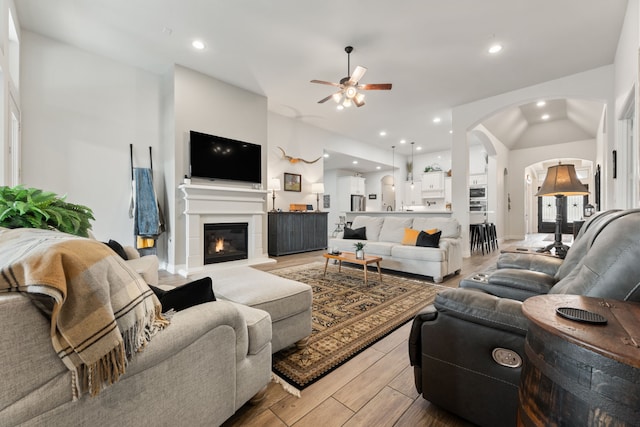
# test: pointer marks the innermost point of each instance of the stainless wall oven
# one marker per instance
(477, 205)
(478, 192)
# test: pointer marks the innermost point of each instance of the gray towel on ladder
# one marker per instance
(146, 213)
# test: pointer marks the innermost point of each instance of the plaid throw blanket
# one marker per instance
(101, 311)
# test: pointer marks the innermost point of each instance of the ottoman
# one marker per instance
(287, 301)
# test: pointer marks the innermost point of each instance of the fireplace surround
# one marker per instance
(217, 204)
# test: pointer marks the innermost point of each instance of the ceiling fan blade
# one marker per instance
(375, 86)
(328, 97)
(322, 82)
(358, 73)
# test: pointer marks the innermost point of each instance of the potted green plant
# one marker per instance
(34, 208)
(359, 250)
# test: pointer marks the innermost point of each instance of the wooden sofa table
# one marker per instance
(351, 257)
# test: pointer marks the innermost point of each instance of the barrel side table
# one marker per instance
(577, 373)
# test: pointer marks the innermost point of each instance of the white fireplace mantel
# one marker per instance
(219, 204)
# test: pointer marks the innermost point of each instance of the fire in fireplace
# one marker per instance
(225, 242)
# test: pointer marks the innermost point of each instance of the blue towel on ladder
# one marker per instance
(146, 214)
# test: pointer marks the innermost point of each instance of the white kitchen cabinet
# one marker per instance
(479, 179)
(433, 184)
(351, 184)
(412, 196)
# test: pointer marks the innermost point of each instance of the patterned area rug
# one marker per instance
(348, 316)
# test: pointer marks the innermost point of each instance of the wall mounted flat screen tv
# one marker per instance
(215, 157)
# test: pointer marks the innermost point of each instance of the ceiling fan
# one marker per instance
(349, 86)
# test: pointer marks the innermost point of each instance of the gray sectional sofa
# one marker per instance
(198, 371)
(384, 236)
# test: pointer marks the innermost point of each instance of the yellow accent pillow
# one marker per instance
(432, 231)
(410, 236)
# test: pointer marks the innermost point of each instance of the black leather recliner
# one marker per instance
(467, 348)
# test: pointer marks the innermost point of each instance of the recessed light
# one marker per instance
(540, 104)
(418, 148)
(495, 48)
(451, 131)
(403, 141)
(378, 167)
(198, 44)
(326, 155)
(437, 120)
(383, 133)
(355, 162)
(545, 117)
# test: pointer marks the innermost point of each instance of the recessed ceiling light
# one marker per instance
(383, 133)
(326, 155)
(418, 148)
(540, 104)
(495, 48)
(198, 44)
(450, 131)
(355, 162)
(403, 141)
(378, 167)
(545, 117)
(437, 120)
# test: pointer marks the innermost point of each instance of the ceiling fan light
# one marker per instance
(350, 92)
(359, 98)
(337, 97)
(347, 102)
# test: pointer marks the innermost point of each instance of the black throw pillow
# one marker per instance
(357, 234)
(185, 296)
(117, 248)
(428, 240)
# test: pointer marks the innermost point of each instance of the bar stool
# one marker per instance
(492, 236)
(477, 237)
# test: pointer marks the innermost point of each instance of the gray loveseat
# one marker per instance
(385, 235)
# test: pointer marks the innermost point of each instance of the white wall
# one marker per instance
(594, 84)
(619, 192)
(208, 105)
(80, 112)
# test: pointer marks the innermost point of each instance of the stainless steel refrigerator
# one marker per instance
(358, 203)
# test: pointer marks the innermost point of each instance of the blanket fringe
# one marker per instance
(285, 385)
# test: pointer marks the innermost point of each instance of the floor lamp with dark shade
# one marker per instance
(561, 181)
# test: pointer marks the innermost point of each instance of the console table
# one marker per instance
(294, 232)
(580, 374)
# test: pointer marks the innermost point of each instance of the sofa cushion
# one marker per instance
(448, 226)
(379, 248)
(355, 234)
(278, 296)
(373, 225)
(410, 236)
(418, 253)
(185, 296)
(393, 229)
(117, 248)
(428, 240)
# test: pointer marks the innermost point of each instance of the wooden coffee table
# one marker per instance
(351, 257)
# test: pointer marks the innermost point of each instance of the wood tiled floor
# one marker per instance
(375, 388)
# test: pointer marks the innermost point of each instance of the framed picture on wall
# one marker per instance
(292, 182)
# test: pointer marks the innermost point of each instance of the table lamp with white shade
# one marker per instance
(274, 185)
(317, 187)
